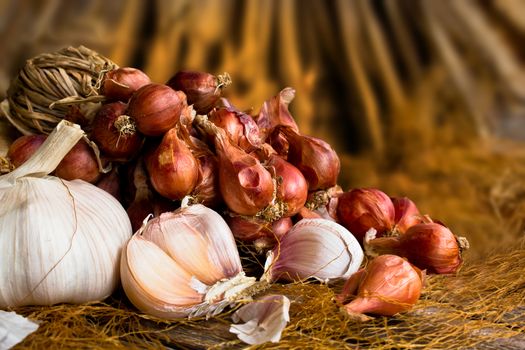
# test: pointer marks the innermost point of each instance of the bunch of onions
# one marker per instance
(387, 286)
(315, 158)
(361, 209)
(429, 245)
(203, 90)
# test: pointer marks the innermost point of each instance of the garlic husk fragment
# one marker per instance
(265, 319)
(60, 240)
(314, 248)
(14, 328)
(184, 264)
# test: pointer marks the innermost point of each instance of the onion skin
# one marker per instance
(363, 208)
(120, 84)
(172, 168)
(240, 127)
(79, 163)
(114, 132)
(274, 113)
(24, 147)
(202, 89)
(406, 214)
(389, 285)
(315, 158)
(156, 108)
(429, 246)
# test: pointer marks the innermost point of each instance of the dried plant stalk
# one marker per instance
(41, 94)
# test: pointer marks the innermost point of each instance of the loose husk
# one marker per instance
(45, 88)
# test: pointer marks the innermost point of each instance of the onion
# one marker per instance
(314, 157)
(406, 214)
(430, 246)
(114, 132)
(172, 168)
(24, 147)
(156, 108)
(245, 185)
(202, 89)
(361, 209)
(240, 127)
(292, 188)
(250, 229)
(121, 83)
(79, 163)
(387, 286)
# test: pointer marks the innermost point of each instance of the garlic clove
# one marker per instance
(199, 240)
(265, 319)
(154, 282)
(314, 248)
(14, 328)
(184, 264)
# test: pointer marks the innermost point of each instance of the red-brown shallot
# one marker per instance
(156, 108)
(406, 214)
(172, 168)
(120, 83)
(430, 246)
(363, 208)
(23, 148)
(115, 133)
(245, 185)
(315, 158)
(202, 89)
(387, 286)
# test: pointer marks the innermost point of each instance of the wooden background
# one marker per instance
(418, 97)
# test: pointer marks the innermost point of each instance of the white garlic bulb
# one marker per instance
(314, 248)
(183, 263)
(60, 241)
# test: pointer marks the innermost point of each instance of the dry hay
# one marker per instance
(482, 307)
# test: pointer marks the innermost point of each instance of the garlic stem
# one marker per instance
(45, 160)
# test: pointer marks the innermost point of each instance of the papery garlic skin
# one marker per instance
(183, 264)
(265, 319)
(314, 248)
(60, 240)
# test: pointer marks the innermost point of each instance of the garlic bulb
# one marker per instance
(314, 248)
(183, 263)
(60, 240)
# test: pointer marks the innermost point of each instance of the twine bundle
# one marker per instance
(41, 95)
